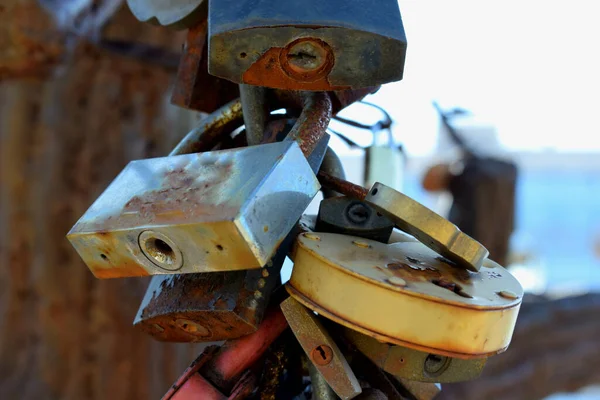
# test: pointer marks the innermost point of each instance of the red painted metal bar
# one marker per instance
(205, 378)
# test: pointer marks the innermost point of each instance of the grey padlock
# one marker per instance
(306, 45)
(215, 211)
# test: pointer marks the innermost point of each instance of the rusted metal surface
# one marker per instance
(208, 307)
(245, 386)
(412, 364)
(278, 130)
(265, 44)
(64, 136)
(321, 349)
(31, 46)
(342, 186)
(207, 134)
(194, 87)
(312, 124)
(343, 98)
(238, 355)
(332, 165)
(307, 59)
(294, 99)
(475, 323)
(276, 366)
(421, 390)
(353, 217)
(275, 70)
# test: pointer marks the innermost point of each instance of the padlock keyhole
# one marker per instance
(321, 353)
(303, 56)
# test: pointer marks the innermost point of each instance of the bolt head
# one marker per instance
(397, 281)
(507, 294)
(361, 244)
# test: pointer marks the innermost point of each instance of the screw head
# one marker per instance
(396, 281)
(360, 243)
(321, 355)
(507, 294)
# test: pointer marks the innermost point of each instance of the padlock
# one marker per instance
(218, 305)
(321, 349)
(428, 227)
(406, 294)
(414, 365)
(209, 307)
(412, 217)
(353, 217)
(307, 45)
(216, 211)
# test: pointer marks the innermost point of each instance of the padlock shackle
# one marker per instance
(312, 124)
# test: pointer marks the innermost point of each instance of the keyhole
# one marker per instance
(321, 352)
(322, 355)
(303, 56)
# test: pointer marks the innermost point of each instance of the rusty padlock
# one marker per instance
(209, 307)
(215, 211)
(307, 45)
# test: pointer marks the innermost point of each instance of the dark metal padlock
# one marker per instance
(306, 45)
(208, 307)
(353, 217)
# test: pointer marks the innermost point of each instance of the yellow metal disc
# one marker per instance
(407, 294)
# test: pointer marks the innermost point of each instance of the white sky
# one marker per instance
(530, 67)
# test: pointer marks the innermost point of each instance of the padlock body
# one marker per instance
(206, 307)
(253, 41)
(214, 211)
(406, 294)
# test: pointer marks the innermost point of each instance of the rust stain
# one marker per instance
(267, 71)
(412, 273)
(218, 301)
(299, 72)
(123, 270)
(108, 264)
(181, 196)
(342, 186)
(194, 87)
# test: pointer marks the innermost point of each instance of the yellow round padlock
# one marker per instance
(405, 293)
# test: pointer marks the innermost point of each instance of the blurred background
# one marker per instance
(73, 112)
